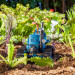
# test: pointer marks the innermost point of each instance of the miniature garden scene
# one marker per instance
(37, 37)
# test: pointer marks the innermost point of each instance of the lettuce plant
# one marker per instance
(12, 62)
(42, 61)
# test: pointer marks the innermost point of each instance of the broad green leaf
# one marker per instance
(10, 52)
(42, 61)
(22, 60)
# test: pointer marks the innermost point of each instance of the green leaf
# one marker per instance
(71, 21)
(22, 60)
(10, 52)
(66, 30)
(42, 61)
(4, 59)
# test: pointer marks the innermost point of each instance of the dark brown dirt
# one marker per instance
(65, 66)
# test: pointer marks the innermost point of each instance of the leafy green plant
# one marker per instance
(16, 38)
(42, 61)
(67, 37)
(28, 19)
(68, 29)
(71, 13)
(2, 39)
(8, 21)
(13, 62)
(61, 59)
(71, 21)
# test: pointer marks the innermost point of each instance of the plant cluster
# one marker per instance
(68, 29)
(28, 19)
(21, 21)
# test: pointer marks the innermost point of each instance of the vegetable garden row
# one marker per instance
(18, 23)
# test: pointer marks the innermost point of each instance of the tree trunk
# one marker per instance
(54, 5)
(46, 3)
(63, 6)
(9, 2)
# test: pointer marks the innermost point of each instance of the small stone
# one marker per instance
(73, 73)
(59, 68)
(60, 71)
(72, 69)
(66, 69)
(53, 72)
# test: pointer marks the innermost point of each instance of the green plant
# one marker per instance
(42, 61)
(15, 38)
(66, 35)
(71, 13)
(61, 59)
(68, 29)
(28, 19)
(2, 39)
(13, 62)
(8, 25)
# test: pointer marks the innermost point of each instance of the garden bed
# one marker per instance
(63, 66)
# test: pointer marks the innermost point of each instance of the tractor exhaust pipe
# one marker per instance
(42, 25)
(41, 35)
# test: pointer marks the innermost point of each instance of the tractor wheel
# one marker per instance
(49, 51)
(20, 51)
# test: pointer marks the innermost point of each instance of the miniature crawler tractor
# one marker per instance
(36, 45)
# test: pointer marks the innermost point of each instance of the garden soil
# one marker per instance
(64, 64)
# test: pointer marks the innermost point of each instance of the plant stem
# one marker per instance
(8, 36)
(71, 46)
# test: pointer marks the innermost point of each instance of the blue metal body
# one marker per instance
(34, 40)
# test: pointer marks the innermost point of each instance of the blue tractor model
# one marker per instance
(36, 45)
